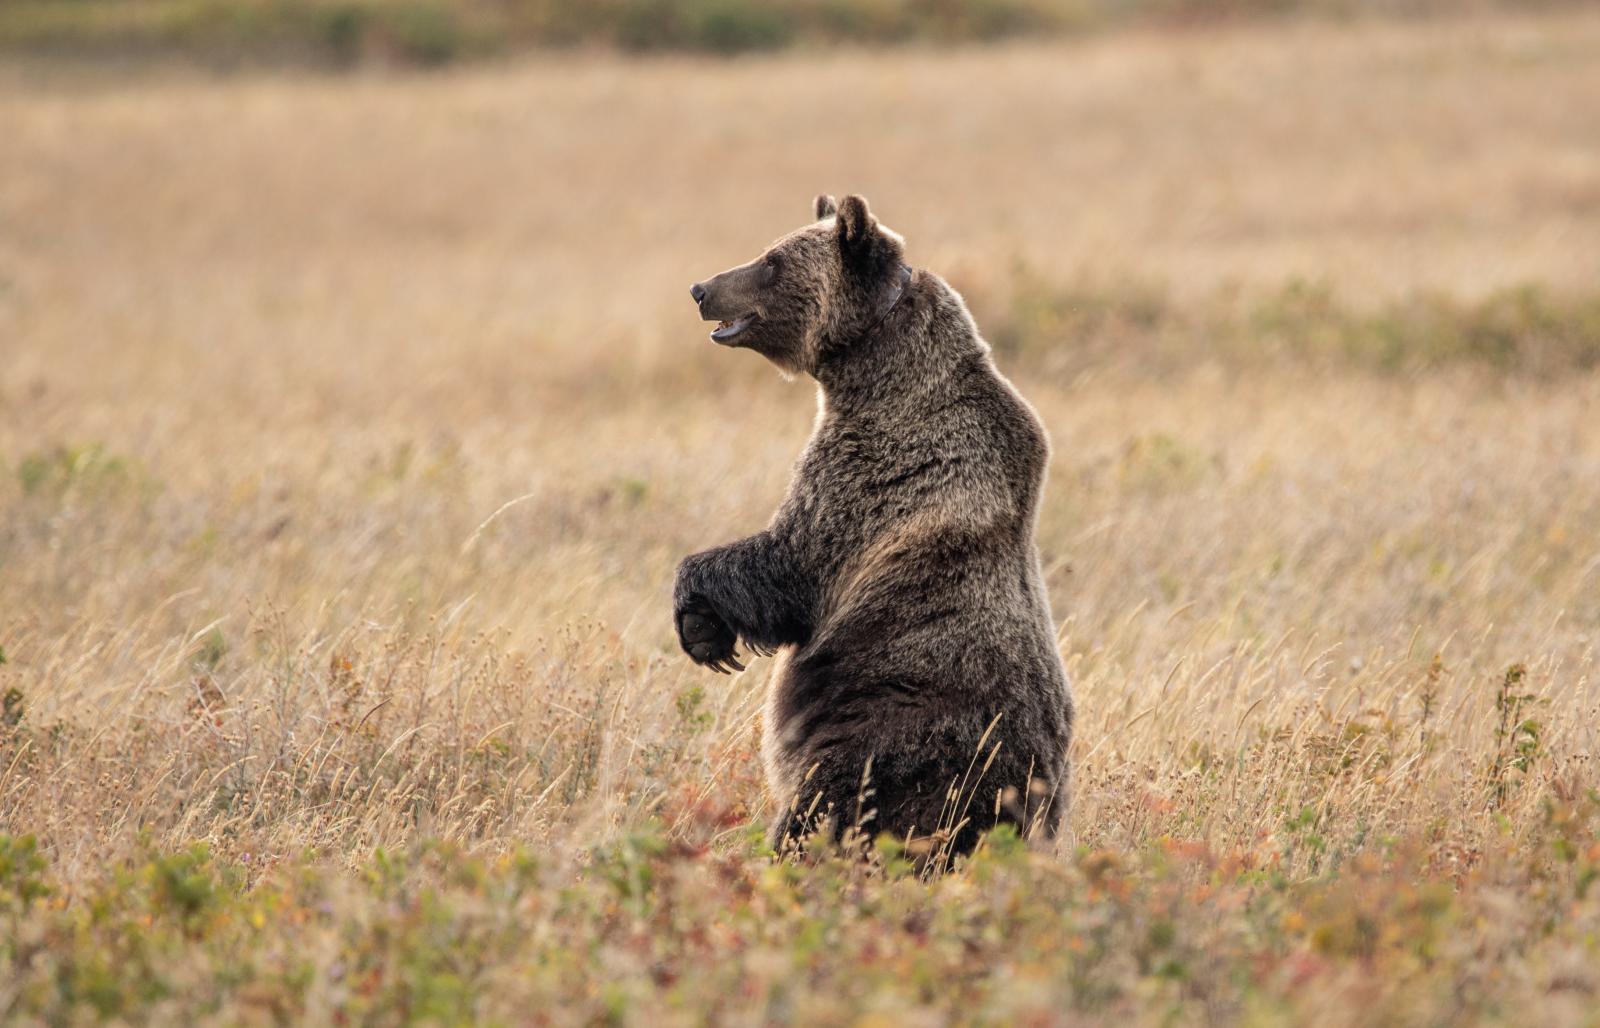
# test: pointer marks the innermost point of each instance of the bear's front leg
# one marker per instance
(752, 590)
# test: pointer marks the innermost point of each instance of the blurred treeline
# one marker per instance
(337, 32)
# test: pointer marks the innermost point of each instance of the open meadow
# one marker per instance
(351, 428)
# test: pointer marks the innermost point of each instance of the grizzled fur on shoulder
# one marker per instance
(919, 690)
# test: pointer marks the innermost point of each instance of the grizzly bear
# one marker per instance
(918, 689)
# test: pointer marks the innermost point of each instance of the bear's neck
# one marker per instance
(921, 350)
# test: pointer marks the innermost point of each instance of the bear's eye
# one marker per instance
(769, 267)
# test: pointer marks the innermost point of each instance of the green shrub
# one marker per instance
(430, 32)
(88, 467)
(424, 33)
(1525, 330)
(342, 29)
(22, 871)
(730, 26)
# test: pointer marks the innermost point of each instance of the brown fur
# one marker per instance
(920, 690)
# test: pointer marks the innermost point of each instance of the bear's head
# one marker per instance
(812, 292)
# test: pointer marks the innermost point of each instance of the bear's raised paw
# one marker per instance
(708, 640)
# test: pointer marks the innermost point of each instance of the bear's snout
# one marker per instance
(698, 291)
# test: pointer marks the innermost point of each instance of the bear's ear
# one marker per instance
(826, 207)
(855, 221)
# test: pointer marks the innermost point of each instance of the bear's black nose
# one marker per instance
(697, 291)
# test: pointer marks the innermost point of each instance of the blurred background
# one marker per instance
(339, 334)
(333, 33)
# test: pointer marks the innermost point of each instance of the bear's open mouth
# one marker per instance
(726, 330)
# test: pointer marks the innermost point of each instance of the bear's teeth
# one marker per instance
(724, 324)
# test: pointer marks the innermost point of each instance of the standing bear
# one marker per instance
(918, 689)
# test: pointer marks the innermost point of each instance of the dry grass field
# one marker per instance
(351, 428)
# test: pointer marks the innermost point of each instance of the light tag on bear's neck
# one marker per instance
(894, 297)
